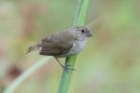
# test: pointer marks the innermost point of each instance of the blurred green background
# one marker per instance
(110, 63)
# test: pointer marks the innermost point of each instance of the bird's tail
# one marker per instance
(34, 47)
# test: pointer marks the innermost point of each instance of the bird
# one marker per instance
(64, 43)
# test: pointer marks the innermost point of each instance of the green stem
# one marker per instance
(15, 84)
(80, 17)
(81, 12)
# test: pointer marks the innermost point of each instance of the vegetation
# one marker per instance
(110, 63)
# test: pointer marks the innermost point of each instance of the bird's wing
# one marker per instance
(55, 45)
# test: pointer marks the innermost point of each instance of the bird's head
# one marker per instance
(81, 32)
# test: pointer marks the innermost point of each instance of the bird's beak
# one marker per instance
(89, 34)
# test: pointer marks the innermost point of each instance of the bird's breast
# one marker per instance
(77, 47)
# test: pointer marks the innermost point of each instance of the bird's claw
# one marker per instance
(68, 67)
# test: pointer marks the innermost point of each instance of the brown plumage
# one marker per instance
(64, 43)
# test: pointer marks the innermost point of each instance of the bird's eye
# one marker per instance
(83, 31)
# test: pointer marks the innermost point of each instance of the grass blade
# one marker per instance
(15, 84)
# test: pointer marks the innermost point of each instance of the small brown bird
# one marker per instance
(64, 43)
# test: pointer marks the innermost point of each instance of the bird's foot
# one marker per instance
(68, 67)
